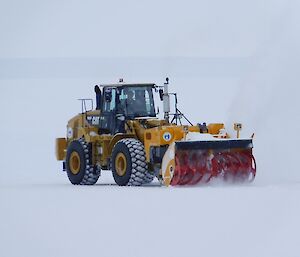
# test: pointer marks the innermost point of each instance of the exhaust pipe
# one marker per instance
(98, 97)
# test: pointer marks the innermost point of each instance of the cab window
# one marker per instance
(109, 100)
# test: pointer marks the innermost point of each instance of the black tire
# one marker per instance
(149, 178)
(136, 173)
(87, 173)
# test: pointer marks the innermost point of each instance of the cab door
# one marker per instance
(108, 112)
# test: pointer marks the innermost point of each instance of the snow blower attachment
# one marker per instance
(200, 162)
(125, 136)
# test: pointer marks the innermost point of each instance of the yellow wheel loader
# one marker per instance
(124, 135)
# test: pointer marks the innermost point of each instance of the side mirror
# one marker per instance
(161, 94)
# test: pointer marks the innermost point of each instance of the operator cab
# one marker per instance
(125, 102)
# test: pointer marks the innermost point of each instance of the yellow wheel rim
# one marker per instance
(120, 164)
(75, 163)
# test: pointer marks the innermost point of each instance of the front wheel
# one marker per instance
(129, 165)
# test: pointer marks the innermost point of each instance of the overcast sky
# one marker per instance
(90, 28)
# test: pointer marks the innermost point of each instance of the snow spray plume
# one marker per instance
(267, 100)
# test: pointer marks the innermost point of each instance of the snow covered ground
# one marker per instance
(239, 63)
(57, 219)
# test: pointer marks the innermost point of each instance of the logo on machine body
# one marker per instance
(69, 133)
(167, 136)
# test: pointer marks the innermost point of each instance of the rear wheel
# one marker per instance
(79, 166)
(129, 165)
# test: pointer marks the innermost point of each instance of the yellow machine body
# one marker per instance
(152, 133)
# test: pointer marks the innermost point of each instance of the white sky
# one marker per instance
(91, 28)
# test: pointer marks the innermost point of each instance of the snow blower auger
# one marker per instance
(124, 135)
(201, 161)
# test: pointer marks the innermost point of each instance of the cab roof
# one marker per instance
(129, 85)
